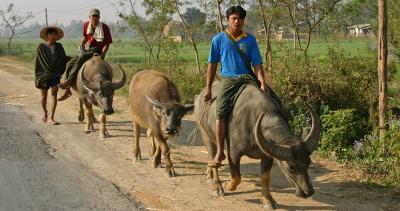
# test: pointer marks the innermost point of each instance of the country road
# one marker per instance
(34, 177)
(47, 167)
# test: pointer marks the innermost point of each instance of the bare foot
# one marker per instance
(52, 122)
(64, 84)
(66, 95)
(219, 158)
(44, 117)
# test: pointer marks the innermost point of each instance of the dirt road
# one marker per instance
(83, 160)
(33, 177)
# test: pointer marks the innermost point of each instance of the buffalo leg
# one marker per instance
(137, 155)
(211, 152)
(154, 150)
(103, 129)
(89, 113)
(81, 115)
(212, 173)
(265, 173)
(234, 167)
(169, 167)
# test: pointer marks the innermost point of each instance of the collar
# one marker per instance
(243, 34)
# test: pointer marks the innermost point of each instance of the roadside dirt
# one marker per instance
(337, 188)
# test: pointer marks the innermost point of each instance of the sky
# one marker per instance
(64, 11)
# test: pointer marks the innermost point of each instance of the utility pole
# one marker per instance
(382, 66)
(294, 30)
(47, 22)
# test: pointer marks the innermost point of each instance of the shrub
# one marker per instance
(340, 129)
(381, 158)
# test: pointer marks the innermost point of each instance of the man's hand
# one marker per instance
(207, 95)
(265, 89)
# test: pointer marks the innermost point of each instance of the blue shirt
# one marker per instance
(232, 65)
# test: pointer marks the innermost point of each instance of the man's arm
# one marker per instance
(83, 42)
(260, 76)
(107, 39)
(211, 70)
(105, 49)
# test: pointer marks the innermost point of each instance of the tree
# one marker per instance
(189, 33)
(150, 30)
(194, 16)
(310, 13)
(382, 66)
(393, 28)
(268, 7)
(218, 4)
(13, 21)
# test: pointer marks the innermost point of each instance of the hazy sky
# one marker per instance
(64, 11)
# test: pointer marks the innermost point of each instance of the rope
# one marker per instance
(193, 134)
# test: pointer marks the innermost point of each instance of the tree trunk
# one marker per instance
(267, 33)
(382, 64)
(189, 33)
(221, 25)
(142, 31)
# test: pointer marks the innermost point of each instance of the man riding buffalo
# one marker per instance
(236, 50)
(98, 35)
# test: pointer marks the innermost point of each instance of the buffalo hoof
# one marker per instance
(156, 163)
(269, 204)
(105, 134)
(300, 193)
(229, 186)
(219, 192)
(81, 117)
(269, 207)
(137, 158)
(88, 131)
(171, 173)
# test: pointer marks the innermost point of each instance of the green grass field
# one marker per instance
(129, 51)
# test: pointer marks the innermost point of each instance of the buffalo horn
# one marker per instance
(88, 84)
(154, 102)
(311, 141)
(121, 82)
(280, 152)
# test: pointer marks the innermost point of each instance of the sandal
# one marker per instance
(66, 95)
(213, 164)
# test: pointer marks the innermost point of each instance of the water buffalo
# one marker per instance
(155, 104)
(95, 87)
(257, 129)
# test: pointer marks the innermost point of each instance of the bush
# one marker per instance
(381, 158)
(340, 129)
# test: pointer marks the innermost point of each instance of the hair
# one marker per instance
(236, 9)
(51, 30)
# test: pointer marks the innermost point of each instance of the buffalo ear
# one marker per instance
(188, 107)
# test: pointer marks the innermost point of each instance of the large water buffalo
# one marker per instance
(95, 87)
(155, 104)
(257, 129)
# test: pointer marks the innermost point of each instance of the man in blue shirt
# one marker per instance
(234, 71)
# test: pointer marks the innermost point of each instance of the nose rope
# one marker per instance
(193, 134)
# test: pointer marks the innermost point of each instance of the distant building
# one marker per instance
(283, 32)
(174, 31)
(360, 30)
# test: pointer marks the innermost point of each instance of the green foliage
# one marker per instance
(340, 129)
(194, 17)
(393, 29)
(381, 158)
